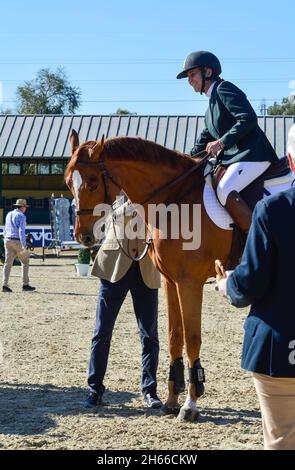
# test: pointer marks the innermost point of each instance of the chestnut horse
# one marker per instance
(149, 173)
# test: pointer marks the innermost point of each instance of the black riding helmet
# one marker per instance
(201, 59)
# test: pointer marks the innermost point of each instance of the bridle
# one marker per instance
(107, 176)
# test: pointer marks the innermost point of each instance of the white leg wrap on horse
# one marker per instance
(238, 176)
(189, 403)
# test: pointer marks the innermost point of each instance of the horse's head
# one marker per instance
(85, 178)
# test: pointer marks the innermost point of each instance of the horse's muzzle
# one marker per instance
(86, 239)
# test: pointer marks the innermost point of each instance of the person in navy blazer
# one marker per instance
(231, 132)
(265, 280)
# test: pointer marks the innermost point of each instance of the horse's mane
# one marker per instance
(135, 148)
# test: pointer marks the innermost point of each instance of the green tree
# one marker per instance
(6, 111)
(123, 111)
(287, 107)
(49, 93)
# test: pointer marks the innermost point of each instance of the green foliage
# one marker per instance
(48, 93)
(6, 111)
(287, 107)
(84, 256)
(124, 112)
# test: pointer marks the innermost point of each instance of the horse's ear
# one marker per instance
(74, 139)
(97, 149)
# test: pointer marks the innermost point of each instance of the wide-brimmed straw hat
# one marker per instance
(21, 203)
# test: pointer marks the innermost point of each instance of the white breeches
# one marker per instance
(238, 176)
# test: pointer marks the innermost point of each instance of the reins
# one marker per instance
(106, 175)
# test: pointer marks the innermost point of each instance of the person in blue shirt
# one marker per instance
(15, 245)
(265, 280)
(231, 132)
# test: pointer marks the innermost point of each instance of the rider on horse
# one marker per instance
(231, 132)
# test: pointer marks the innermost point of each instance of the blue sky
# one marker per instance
(127, 53)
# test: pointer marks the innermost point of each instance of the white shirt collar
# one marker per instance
(209, 92)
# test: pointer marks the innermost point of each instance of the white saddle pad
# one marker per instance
(214, 209)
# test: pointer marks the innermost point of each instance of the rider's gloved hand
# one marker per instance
(215, 147)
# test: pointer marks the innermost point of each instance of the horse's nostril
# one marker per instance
(85, 239)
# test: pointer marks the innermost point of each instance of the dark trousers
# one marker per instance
(145, 302)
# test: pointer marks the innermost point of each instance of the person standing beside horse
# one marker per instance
(265, 280)
(231, 132)
(15, 245)
(120, 274)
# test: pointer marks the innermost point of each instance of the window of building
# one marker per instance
(14, 169)
(4, 168)
(29, 168)
(43, 168)
(57, 168)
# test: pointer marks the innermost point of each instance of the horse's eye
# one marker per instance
(92, 187)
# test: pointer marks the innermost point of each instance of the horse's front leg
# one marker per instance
(190, 299)
(176, 383)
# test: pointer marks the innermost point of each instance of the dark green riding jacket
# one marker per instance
(231, 118)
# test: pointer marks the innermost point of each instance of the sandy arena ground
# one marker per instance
(45, 339)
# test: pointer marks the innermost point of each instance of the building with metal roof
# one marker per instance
(47, 136)
(34, 149)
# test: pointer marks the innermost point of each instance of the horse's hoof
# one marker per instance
(188, 414)
(168, 410)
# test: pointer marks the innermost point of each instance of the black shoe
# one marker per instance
(152, 400)
(93, 400)
(6, 289)
(29, 288)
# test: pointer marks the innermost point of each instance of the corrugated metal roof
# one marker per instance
(35, 136)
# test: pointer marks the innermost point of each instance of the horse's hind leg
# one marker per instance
(176, 383)
(190, 299)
